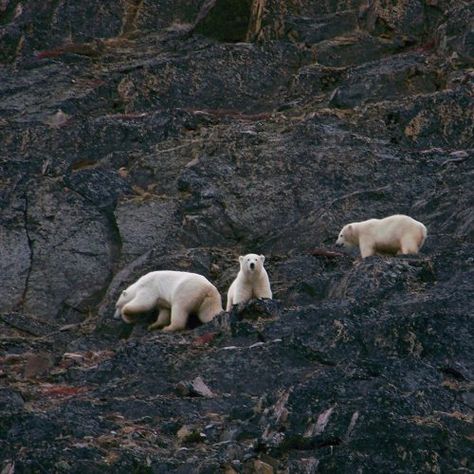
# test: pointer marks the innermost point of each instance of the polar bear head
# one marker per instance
(347, 236)
(251, 263)
(124, 298)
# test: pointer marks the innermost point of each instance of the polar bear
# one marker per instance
(397, 234)
(251, 281)
(175, 294)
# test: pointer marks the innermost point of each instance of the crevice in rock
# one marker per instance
(7, 11)
(115, 242)
(255, 22)
(21, 303)
(116, 239)
(55, 4)
(300, 443)
(229, 20)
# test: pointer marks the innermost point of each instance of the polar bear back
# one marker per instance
(389, 231)
(397, 234)
(166, 284)
(175, 294)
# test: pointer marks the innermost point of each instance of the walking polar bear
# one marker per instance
(251, 282)
(397, 234)
(175, 294)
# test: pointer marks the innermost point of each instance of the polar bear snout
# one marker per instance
(117, 314)
(252, 265)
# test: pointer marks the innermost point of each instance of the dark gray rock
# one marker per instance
(388, 79)
(196, 387)
(53, 215)
(225, 20)
(456, 35)
(11, 401)
(310, 31)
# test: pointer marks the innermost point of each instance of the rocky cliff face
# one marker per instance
(140, 135)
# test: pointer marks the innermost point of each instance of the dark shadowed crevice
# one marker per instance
(7, 12)
(30, 246)
(115, 244)
(224, 20)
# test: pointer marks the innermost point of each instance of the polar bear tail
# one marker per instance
(211, 305)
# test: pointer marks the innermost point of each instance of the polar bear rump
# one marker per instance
(395, 235)
(176, 295)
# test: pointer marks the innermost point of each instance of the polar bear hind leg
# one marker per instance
(179, 318)
(163, 319)
(211, 305)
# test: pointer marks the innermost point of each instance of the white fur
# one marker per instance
(251, 282)
(175, 294)
(397, 234)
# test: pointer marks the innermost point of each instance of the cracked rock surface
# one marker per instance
(147, 135)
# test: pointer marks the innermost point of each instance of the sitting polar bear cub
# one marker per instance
(251, 282)
(396, 234)
(175, 294)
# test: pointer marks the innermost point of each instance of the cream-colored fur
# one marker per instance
(251, 282)
(175, 294)
(397, 234)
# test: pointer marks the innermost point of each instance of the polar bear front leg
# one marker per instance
(408, 245)
(164, 317)
(263, 290)
(179, 318)
(230, 296)
(243, 294)
(140, 304)
(367, 248)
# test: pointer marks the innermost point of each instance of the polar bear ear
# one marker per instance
(349, 229)
(262, 258)
(241, 258)
(124, 293)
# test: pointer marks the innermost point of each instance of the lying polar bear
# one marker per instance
(175, 294)
(251, 282)
(396, 234)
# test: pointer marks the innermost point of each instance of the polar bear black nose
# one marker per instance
(252, 266)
